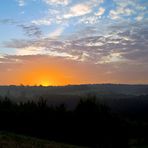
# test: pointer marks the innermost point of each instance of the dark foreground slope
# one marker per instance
(90, 124)
(8, 140)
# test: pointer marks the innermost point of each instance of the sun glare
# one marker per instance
(45, 83)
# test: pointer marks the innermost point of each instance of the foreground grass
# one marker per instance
(8, 140)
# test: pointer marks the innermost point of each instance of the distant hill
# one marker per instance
(98, 89)
(70, 94)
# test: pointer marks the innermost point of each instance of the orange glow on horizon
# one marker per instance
(43, 77)
(55, 71)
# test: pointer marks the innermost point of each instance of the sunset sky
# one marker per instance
(60, 42)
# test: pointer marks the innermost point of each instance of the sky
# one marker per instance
(60, 42)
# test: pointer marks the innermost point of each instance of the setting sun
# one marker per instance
(46, 83)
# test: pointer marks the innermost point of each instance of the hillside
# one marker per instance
(8, 140)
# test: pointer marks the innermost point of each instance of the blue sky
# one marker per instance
(101, 32)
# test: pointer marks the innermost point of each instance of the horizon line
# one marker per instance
(23, 85)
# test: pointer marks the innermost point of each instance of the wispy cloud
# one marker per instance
(8, 21)
(126, 8)
(21, 2)
(119, 12)
(139, 17)
(78, 10)
(31, 30)
(100, 12)
(40, 22)
(58, 2)
(56, 33)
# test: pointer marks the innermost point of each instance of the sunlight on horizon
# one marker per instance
(46, 83)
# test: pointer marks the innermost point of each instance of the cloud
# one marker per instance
(94, 3)
(56, 33)
(128, 9)
(124, 9)
(58, 2)
(139, 17)
(114, 15)
(39, 22)
(8, 21)
(119, 12)
(31, 30)
(113, 58)
(89, 20)
(30, 50)
(21, 2)
(100, 12)
(78, 10)
(1, 58)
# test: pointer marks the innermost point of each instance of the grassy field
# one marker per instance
(8, 140)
